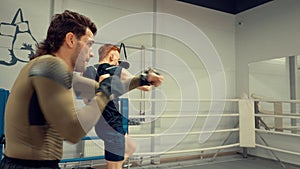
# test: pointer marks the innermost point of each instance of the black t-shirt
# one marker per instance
(106, 68)
(111, 113)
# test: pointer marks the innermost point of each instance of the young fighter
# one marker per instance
(118, 145)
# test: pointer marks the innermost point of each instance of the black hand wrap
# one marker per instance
(124, 64)
(112, 87)
(144, 76)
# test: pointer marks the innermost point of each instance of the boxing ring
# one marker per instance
(246, 128)
(153, 138)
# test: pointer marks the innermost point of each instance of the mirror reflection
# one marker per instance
(274, 83)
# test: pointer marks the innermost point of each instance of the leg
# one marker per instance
(114, 143)
(130, 147)
(114, 164)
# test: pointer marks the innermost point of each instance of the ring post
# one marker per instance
(3, 99)
(247, 125)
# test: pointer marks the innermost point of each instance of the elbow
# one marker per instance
(73, 136)
(73, 140)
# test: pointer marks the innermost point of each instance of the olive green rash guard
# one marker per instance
(40, 112)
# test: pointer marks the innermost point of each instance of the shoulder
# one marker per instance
(90, 71)
(104, 66)
(53, 68)
(101, 70)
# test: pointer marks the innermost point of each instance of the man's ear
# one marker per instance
(70, 39)
(111, 57)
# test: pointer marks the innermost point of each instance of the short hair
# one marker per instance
(104, 50)
(61, 24)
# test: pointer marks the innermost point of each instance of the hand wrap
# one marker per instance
(112, 87)
(144, 76)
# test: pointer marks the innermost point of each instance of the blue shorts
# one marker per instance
(114, 142)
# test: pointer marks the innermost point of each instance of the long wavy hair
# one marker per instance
(60, 25)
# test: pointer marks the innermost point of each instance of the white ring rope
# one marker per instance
(276, 132)
(214, 100)
(290, 114)
(285, 127)
(175, 116)
(283, 113)
(277, 116)
(190, 150)
(260, 98)
(185, 100)
(277, 149)
(190, 133)
(276, 101)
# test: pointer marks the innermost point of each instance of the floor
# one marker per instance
(229, 163)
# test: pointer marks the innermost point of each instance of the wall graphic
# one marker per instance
(16, 40)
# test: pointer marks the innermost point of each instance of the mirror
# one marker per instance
(270, 78)
(276, 80)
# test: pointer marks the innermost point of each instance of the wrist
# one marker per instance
(145, 76)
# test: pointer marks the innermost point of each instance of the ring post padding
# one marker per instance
(278, 110)
(124, 110)
(247, 123)
(3, 99)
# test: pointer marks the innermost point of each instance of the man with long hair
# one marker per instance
(40, 112)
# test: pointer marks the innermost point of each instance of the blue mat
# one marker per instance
(3, 99)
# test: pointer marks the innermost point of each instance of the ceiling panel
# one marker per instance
(228, 6)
